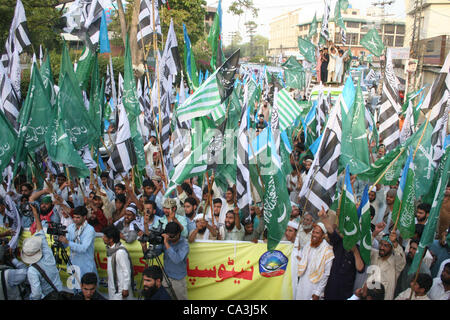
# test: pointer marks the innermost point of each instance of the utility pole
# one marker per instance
(416, 48)
(251, 30)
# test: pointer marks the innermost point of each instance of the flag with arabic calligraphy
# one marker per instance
(8, 140)
(348, 216)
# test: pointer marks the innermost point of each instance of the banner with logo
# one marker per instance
(216, 270)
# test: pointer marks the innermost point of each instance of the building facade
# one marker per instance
(391, 31)
(283, 35)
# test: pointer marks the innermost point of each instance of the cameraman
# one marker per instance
(150, 219)
(35, 251)
(46, 209)
(12, 274)
(175, 250)
(80, 238)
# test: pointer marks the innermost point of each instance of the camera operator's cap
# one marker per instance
(169, 203)
(32, 250)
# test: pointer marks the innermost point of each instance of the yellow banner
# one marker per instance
(216, 270)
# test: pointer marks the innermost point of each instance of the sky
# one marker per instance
(269, 9)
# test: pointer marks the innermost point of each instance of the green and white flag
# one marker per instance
(307, 49)
(442, 178)
(404, 209)
(209, 98)
(8, 140)
(348, 216)
(288, 109)
(312, 28)
(355, 150)
(365, 246)
(47, 79)
(372, 42)
(277, 205)
(84, 68)
(294, 74)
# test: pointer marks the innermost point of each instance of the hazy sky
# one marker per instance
(269, 9)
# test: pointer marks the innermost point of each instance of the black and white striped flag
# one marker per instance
(123, 156)
(319, 189)
(243, 186)
(108, 84)
(181, 141)
(148, 115)
(146, 26)
(324, 29)
(322, 111)
(389, 132)
(343, 37)
(18, 38)
(437, 102)
(9, 102)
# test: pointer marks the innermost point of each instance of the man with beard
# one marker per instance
(126, 225)
(441, 284)
(46, 212)
(170, 215)
(422, 213)
(314, 265)
(150, 220)
(232, 229)
(377, 201)
(152, 282)
(387, 217)
(203, 230)
(404, 280)
(440, 251)
(389, 261)
(251, 233)
(304, 231)
(190, 209)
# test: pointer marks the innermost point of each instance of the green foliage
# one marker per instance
(238, 7)
(43, 19)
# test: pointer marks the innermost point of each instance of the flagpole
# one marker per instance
(414, 155)
(417, 272)
(42, 175)
(389, 166)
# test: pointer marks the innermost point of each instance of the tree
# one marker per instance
(43, 20)
(238, 7)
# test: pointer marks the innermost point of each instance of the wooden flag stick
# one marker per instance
(389, 166)
(417, 272)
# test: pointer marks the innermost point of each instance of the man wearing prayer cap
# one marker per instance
(389, 260)
(314, 264)
(127, 226)
(170, 215)
(291, 231)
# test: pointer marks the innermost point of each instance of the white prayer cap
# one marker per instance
(322, 226)
(293, 224)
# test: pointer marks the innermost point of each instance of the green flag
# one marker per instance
(66, 67)
(424, 165)
(404, 209)
(307, 49)
(96, 103)
(72, 112)
(355, 149)
(131, 103)
(47, 79)
(312, 28)
(443, 175)
(84, 67)
(277, 206)
(365, 246)
(337, 14)
(348, 216)
(215, 41)
(8, 140)
(372, 42)
(294, 74)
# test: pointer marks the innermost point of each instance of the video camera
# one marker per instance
(155, 237)
(155, 240)
(56, 229)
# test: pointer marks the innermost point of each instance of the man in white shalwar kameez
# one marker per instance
(314, 265)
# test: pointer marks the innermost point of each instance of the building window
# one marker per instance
(430, 46)
(354, 13)
(337, 37)
(399, 41)
(351, 24)
(352, 39)
(389, 28)
(401, 29)
(388, 41)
